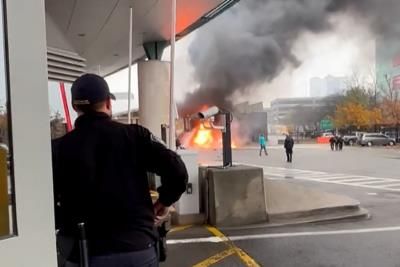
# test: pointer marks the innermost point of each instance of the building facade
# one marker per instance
(387, 58)
(283, 108)
(330, 85)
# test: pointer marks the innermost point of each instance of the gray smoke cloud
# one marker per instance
(252, 42)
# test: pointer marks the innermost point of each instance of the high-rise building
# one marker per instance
(387, 62)
(317, 87)
(330, 85)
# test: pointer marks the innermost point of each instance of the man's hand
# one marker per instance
(161, 213)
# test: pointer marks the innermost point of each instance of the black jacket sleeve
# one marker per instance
(167, 164)
(55, 166)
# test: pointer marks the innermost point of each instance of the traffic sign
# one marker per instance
(326, 124)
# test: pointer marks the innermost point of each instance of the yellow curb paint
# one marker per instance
(180, 228)
(216, 258)
(216, 232)
(246, 259)
(249, 261)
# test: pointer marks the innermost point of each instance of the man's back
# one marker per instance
(289, 143)
(100, 177)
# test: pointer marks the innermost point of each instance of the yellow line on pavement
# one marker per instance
(180, 228)
(216, 258)
(217, 233)
(246, 259)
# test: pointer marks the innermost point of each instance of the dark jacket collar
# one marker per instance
(91, 117)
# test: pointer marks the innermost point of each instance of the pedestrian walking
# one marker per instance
(340, 142)
(100, 183)
(289, 143)
(337, 142)
(262, 143)
(332, 142)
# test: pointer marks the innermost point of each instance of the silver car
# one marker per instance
(376, 139)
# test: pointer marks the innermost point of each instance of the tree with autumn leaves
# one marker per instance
(357, 111)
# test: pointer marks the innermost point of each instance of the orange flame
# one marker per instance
(202, 137)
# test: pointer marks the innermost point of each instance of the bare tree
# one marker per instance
(391, 105)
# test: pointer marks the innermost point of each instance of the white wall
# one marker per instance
(35, 243)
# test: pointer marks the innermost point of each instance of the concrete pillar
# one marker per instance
(153, 78)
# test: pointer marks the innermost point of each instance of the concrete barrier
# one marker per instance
(323, 140)
(235, 196)
(187, 208)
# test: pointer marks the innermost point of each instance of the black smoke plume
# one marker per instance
(252, 42)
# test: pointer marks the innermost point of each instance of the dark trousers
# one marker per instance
(289, 155)
(142, 258)
(262, 147)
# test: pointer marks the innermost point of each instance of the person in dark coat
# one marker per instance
(332, 142)
(289, 143)
(100, 179)
(340, 143)
(337, 142)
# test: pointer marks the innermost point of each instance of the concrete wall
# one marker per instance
(189, 202)
(236, 196)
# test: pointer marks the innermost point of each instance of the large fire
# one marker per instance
(204, 137)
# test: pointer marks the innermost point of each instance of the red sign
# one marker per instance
(396, 82)
(396, 61)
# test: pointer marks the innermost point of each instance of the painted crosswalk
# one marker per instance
(380, 183)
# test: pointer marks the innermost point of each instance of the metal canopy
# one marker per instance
(97, 30)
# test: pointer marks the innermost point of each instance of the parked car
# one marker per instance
(375, 139)
(393, 135)
(350, 139)
(327, 134)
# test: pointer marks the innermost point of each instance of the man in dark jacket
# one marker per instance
(332, 142)
(100, 178)
(289, 143)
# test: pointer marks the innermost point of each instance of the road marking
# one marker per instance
(362, 180)
(210, 239)
(246, 259)
(216, 258)
(286, 235)
(391, 185)
(376, 183)
(319, 176)
(381, 181)
(354, 180)
(180, 228)
(338, 177)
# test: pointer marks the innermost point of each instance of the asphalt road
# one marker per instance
(370, 175)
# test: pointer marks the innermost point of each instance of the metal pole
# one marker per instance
(83, 246)
(129, 65)
(227, 142)
(66, 108)
(172, 72)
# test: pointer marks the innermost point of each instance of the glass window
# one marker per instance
(8, 223)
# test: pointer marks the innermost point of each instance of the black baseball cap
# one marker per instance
(90, 89)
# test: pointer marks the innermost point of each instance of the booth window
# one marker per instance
(8, 223)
